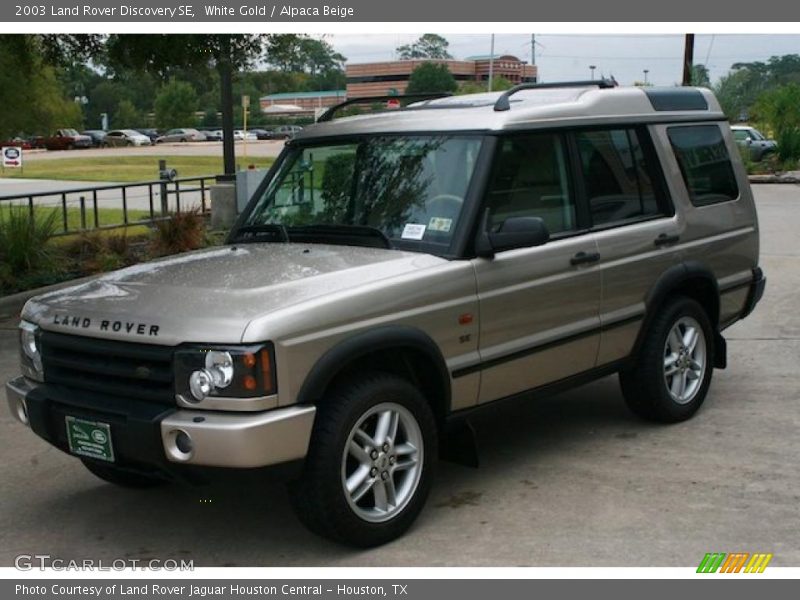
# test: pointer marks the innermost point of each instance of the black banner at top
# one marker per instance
(464, 11)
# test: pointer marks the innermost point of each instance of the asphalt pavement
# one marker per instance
(574, 480)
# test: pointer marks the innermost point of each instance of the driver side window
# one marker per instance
(530, 179)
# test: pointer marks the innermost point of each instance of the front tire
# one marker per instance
(672, 372)
(120, 477)
(370, 462)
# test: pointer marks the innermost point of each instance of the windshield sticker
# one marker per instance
(413, 231)
(440, 224)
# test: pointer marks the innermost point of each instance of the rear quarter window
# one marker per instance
(705, 163)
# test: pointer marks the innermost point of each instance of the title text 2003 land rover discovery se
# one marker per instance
(396, 270)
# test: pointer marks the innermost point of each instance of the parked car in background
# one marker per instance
(264, 134)
(285, 132)
(151, 133)
(126, 137)
(240, 135)
(67, 139)
(750, 137)
(97, 136)
(183, 134)
(19, 142)
(213, 135)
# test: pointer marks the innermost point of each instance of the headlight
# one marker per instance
(233, 372)
(31, 355)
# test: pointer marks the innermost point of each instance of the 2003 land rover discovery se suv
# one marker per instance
(397, 270)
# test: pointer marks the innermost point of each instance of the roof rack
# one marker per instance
(503, 102)
(328, 114)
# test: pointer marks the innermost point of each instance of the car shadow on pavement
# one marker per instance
(250, 523)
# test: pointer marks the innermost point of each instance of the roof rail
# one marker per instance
(503, 103)
(328, 114)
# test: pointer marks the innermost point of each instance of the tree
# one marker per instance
(297, 53)
(499, 84)
(163, 54)
(700, 76)
(429, 45)
(431, 78)
(31, 91)
(780, 108)
(738, 91)
(175, 105)
(126, 116)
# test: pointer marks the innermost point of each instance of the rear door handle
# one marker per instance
(582, 258)
(665, 239)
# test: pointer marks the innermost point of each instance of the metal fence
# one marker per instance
(141, 203)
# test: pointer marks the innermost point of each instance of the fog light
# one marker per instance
(183, 442)
(178, 445)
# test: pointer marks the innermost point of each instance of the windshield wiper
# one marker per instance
(252, 233)
(338, 233)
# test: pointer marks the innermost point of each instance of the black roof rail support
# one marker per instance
(328, 114)
(503, 103)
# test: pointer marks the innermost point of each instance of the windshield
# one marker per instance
(408, 192)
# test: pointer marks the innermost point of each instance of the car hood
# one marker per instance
(211, 295)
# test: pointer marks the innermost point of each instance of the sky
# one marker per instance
(567, 57)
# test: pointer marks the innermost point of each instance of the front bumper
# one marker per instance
(145, 435)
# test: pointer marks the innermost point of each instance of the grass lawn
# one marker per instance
(122, 169)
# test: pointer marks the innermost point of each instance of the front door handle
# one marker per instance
(582, 258)
(664, 239)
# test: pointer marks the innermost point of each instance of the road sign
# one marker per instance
(12, 157)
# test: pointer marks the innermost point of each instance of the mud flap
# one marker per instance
(459, 444)
(720, 351)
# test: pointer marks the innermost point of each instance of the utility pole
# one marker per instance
(533, 49)
(688, 59)
(491, 64)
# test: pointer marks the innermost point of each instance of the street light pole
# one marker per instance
(688, 59)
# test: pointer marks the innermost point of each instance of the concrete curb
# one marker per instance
(11, 306)
(789, 177)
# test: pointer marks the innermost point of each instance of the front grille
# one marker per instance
(119, 369)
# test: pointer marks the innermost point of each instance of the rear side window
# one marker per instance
(616, 177)
(705, 163)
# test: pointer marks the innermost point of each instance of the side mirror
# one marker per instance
(514, 232)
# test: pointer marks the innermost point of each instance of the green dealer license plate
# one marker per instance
(89, 438)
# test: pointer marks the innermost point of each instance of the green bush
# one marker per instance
(26, 255)
(789, 148)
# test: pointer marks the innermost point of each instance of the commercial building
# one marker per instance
(300, 103)
(391, 77)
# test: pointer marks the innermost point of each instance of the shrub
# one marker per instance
(25, 252)
(96, 252)
(182, 232)
(789, 147)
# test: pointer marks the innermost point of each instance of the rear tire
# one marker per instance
(120, 477)
(672, 372)
(370, 462)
